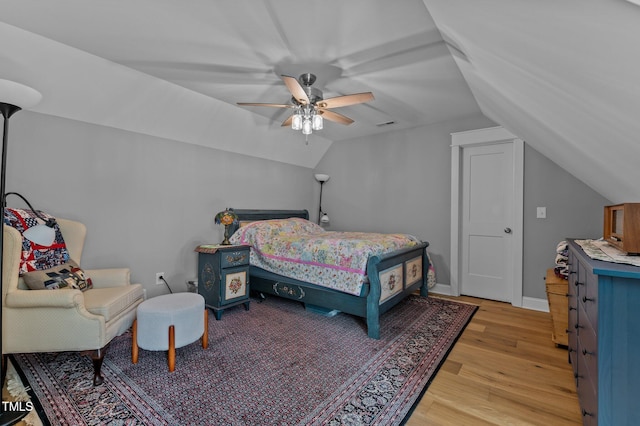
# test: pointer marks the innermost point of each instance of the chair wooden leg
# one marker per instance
(134, 342)
(97, 356)
(205, 335)
(171, 356)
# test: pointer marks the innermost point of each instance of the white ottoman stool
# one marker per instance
(167, 322)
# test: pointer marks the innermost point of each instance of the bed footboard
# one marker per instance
(392, 277)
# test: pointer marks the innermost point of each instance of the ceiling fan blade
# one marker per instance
(265, 105)
(340, 101)
(296, 89)
(287, 122)
(334, 116)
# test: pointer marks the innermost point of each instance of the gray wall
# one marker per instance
(407, 176)
(573, 211)
(147, 202)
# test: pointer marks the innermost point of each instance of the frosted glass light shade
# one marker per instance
(324, 218)
(296, 122)
(317, 122)
(306, 127)
(40, 234)
(18, 94)
(322, 177)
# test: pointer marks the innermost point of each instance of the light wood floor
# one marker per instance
(504, 370)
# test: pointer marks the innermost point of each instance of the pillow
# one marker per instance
(36, 257)
(67, 275)
(271, 228)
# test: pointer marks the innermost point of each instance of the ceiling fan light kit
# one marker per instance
(310, 107)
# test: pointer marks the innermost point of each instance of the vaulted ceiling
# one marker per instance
(561, 75)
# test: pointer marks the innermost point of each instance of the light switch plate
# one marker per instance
(541, 212)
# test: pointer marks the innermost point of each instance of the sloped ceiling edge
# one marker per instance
(554, 77)
(80, 86)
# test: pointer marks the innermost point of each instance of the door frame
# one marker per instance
(489, 136)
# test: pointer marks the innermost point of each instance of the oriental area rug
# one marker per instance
(276, 364)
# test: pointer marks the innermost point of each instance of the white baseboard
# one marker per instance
(444, 289)
(535, 304)
(527, 302)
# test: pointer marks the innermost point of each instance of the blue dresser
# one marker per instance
(604, 338)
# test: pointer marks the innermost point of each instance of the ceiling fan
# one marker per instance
(310, 107)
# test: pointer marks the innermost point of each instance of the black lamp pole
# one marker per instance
(13, 97)
(320, 203)
(7, 110)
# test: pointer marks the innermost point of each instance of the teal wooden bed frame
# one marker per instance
(315, 297)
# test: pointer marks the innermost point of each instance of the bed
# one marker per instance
(388, 277)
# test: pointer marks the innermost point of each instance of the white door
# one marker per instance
(487, 212)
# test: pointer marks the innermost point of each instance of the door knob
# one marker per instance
(507, 230)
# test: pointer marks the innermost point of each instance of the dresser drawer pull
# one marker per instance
(586, 299)
(577, 326)
(577, 283)
(586, 413)
(586, 352)
(571, 308)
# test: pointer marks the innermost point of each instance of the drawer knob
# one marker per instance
(571, 308)
(586, 413)
(577, 326)
(586, 299)
(586, 352)
(578, 283)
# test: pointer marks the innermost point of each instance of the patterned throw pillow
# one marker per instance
(68, 275)
(36, 257)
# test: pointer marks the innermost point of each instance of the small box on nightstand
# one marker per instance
(223, 276)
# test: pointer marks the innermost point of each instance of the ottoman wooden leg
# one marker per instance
(172, 348)
(205, 335)
(134, 343)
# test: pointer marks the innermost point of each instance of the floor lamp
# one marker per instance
(322, 216)
(13, 97)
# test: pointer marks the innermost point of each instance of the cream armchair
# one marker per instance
(67, 319)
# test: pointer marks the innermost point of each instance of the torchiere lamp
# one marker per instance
(322, 216)
(13, 97)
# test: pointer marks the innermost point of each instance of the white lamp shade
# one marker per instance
(322, 177)
(324, 218)
(40, 234)
(18, 94)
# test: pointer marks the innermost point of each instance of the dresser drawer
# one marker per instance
(234, 258)
(588, 349)
(588, 403)
(589, 299)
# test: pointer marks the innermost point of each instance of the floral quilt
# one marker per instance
(302, 250)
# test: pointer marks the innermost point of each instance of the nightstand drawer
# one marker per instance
(234, 258)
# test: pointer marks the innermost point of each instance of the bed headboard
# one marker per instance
(251, 215)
